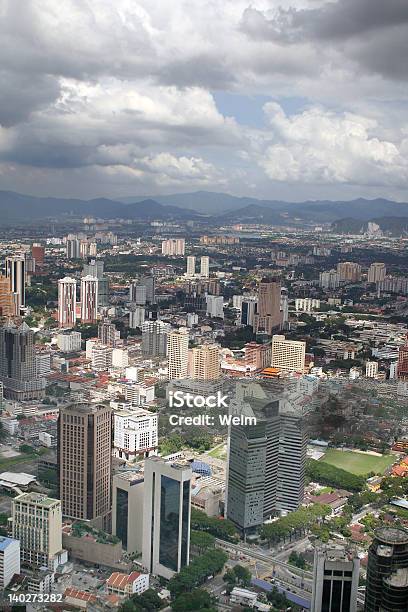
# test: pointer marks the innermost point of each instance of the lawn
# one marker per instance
(218, 452)
(358, 463)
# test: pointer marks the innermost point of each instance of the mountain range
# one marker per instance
(217, 208)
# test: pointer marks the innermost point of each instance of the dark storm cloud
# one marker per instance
(20, 95)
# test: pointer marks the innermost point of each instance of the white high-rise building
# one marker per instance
(89, 299)
(177, 352)
(9, 560)
(67, 302)
(136, 317)
(16, 272)
(335, 579)
(101, 357)
(154, 338)
(376, 272)
(288, 355)
(166, 516)
(205, 266)
(173, 247)
(135, 433)
(215, 306)
(329, 279)
(191, 265)
(37, 523)
(120, 358)
(371, 369)
(306, 304)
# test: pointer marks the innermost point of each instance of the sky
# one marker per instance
(277, 99)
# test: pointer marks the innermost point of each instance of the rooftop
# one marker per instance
(37, 498)
(5, 542)
(392, 535)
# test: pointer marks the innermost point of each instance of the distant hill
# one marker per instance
(393, 226)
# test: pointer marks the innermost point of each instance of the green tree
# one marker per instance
(198, 599)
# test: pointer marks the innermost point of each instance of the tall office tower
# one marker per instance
(67, 302)
(135, 434)
(387, 571)
(166, 516)
(107, 333)
(150, 283)
(349, 271)
(7, 300)
(9, 560)
(293, 439)
(95, 267)
(288, 355)
(329, 279)
(16, 272)
(84, 461)
(17, 364)
(154, 338)
(173, 247)
(204, 362)
(402, 366)
(205, 266)
(73, 248)
(38, 254)
(269, 316)
(253, 452)
(249, 307)
(138, 294)
(191, 265)
(89, 299)
(335, 580)
(127, 509)
(215, 306)
(137, 315)
(177, 353)
(284, 306)
(37, 523)
(376, 273)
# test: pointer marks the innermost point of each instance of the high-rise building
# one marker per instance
(293, 439)
(371, 369)
(73, 248)
(177, 353)
(166, 516)
(67, 302)
(335, 580)
(84, 461)
(205, 266)
(69, 341)
(16, 272)
(258, 355)
(37, 524)
(7, 298)
(107, 333)
(402, 366)
(9, 560)
(329, 279)
(135, 434)
(154, 338)
(288, 355)
(101, 357)
(143, 291)
(173, 247)
(191, 265)
(38, 254)
(204, 362)
(249, 307)
(137, 315)
(349, 271)
(215, 306)
(376, 272)
(95, 267)
(387, 571)
(269, 316)
(127, 509)
(17, 364)
(89, 299)
(306, 304)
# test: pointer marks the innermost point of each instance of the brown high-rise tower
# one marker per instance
(269, 316)
(84, 461)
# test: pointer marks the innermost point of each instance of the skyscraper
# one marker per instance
(288, 355)
(376, 272)
(154, 338)
(67, 302)
(37, 524)
(166, 516)
(269, 316)
(204, 362)
(17, 363)
(84, 461)
(7, 298)
(73, 248)
(107, 333)
(387, 571)
(127, 509)
(335, 580)
(95, 267)
(349, 271)
(38, 254)
(177, 353)
(89, 299)
(173, 247)
(205, 266)
(143, 291)
(16, 272)
(253, 463)
(191, 265)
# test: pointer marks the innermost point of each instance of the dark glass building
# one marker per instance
(387, 571)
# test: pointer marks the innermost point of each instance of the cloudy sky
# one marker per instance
(290, 99)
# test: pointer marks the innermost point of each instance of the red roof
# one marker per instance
(83, 595)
